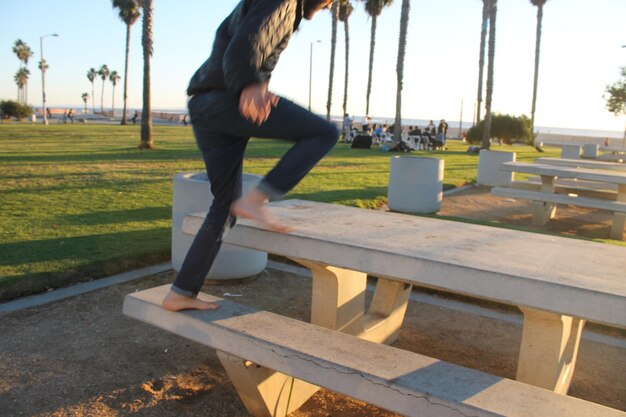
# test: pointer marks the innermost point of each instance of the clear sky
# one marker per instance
(581, 53)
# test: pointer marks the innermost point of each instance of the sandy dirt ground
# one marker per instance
(82, 357)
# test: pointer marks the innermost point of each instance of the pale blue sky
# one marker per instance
(581, 53)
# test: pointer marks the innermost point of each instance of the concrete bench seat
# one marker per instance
(266, 355)
(571, 186)
(556, 198)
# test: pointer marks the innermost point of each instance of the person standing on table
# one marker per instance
(229, 103)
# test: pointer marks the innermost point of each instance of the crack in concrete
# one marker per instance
(361, 374)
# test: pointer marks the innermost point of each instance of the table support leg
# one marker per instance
(543, 211)
(339, 303)
(265, 392)
(549, 349)
(619, 219)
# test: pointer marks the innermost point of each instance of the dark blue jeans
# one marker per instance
(222, 135)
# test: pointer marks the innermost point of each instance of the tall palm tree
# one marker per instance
(85, 97)
(481, 58)
(333, 42)
(21, 79)
(404, 24)
(374, 8)
(23, 53)
(539, 4)
(493, 11)
(114, 77)
(91, 76)
(345, 10)
(129, 13)
(103, 72)
(146, 42)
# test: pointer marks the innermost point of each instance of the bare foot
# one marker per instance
(175, 302)
(251, 206)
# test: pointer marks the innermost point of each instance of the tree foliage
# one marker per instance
(616, 99)
(504, 127)
(9, 108)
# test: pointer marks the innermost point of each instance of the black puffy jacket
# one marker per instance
(247, 45)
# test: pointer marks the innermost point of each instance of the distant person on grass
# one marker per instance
(230, 102)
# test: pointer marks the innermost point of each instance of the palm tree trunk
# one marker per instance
(113, 102)
(146, 113)
(536, 80)
(371, 66)
(93, 98)
(333, 44)
(126, 73)
(481, 59)
(347, 72)
(491, 56)
(102, 97)
(404, 23)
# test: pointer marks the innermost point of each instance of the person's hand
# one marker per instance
(255, 103)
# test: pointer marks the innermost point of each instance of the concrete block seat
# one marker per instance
(271, 358)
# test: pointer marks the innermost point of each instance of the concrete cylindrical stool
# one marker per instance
(489, 172)
(590, 150)
(415, 184)
(570, 151)
(192, 194)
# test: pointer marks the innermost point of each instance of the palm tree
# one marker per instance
(481, 58)
(345, 9)
(539, 4)
(404, 23)
(91, 75)
(146, 42)
(103, 72)
(23, 53)
(374, 8)
(114, 77)
(21, 79)
(129, 13)
(85, 97)
(493, 11)
(334, 10)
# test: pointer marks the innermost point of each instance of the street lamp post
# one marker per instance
(42, 63)
(311, 71)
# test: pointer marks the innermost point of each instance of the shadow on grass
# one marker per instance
(36, 283)
(95, 184)
(92, 248)
(145, 214)
(331, 196)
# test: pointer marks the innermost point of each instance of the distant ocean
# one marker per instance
(453, 124)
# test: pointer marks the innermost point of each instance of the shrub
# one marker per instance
(9, 108)
(504, 127)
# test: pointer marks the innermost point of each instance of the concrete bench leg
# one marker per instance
(339, 303)
(543, 211)
(549, 349)
(619, 219)
(265, 392)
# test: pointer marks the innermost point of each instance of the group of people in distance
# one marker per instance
(432, 137)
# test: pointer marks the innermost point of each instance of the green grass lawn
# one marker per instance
(81, 201)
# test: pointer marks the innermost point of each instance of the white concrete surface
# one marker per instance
(489, 172)
(400, 381)
(415, 184)
(561, 275)
(192, 193)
